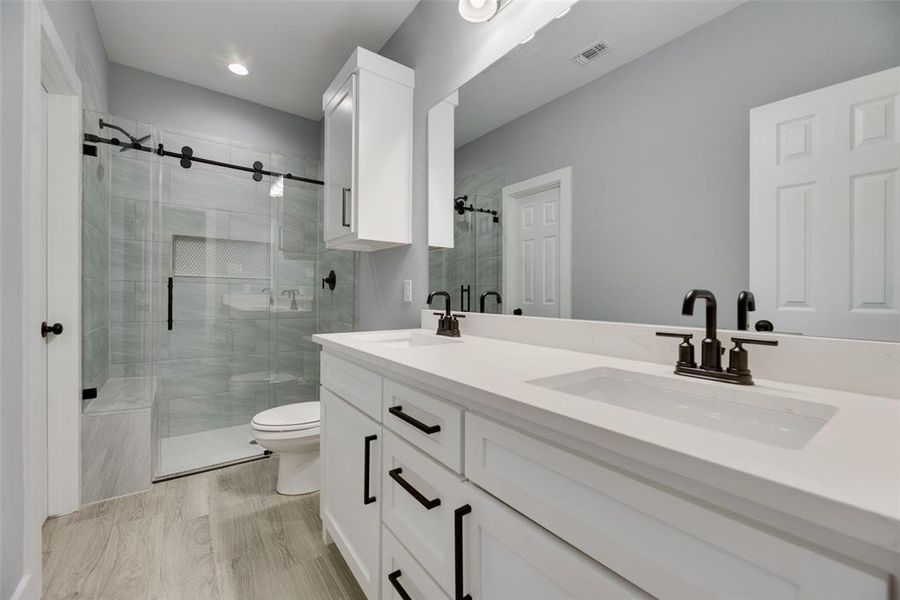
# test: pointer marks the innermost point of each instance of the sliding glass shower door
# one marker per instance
(215, 334)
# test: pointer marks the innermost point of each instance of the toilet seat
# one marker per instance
(290, 417)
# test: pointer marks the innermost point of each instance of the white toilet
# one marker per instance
(292, 431)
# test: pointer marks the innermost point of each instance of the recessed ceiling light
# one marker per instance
(563, 13)
(478, 11)
(238, 69)
(528, 39)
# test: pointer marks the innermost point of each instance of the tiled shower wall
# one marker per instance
(476, 256)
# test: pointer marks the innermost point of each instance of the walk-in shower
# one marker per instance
(201, 290)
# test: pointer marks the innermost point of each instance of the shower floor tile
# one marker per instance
(193, 451)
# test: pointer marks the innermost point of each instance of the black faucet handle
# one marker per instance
(685, 348)
(738, 341)
(459, 316)
(684, 336)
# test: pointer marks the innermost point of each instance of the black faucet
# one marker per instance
(738, 370)
(484, 296)
(746, 303)
(711, 347)
(448, 324)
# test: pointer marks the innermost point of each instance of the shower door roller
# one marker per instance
(55, 329)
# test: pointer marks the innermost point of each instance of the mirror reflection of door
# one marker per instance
(537, 269)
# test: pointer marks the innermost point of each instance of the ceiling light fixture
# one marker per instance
(238, 69)
(528, 39)
(478, 11)
(563, 13)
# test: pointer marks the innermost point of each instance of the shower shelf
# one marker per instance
(206, 257)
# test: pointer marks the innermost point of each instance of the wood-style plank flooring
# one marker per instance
(223, 534)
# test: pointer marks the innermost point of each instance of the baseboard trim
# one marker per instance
(25, 590)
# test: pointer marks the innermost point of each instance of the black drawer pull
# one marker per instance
(367, 499)
(397, 411)
(429, 504)
(393, 578)
(458, 515)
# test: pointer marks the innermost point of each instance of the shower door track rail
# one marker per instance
(186, 157)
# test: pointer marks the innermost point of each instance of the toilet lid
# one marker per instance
(302, 415)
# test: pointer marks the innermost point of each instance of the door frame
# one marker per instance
(512, 193)
(53, 423)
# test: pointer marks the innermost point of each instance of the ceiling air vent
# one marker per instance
(592, 52)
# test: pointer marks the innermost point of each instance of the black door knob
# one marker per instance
(55, 329)
(764, 325)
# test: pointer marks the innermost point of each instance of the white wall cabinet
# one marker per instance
(368, 154)
(351, 487)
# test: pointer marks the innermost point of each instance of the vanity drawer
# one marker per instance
(662, 542)
(419, 496)
(432, 424)
(357, 385)
(400, 571)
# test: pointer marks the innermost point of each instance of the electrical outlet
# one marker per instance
(407, 290)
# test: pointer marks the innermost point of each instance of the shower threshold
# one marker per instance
(205, 450)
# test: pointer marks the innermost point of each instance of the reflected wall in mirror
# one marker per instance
(636, 150)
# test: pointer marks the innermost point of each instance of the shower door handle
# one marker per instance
(344, 221)
(169, 312)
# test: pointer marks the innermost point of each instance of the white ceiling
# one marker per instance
(293, 48)
(540, 71)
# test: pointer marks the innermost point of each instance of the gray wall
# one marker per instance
(12, 509)
(77, 28)
(445, 52)
(660, 149)
(162, 101)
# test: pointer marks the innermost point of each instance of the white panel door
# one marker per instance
(507, 557)
(351, 453)
(537, 245)
(824, 214)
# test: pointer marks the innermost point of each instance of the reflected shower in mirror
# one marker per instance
(631, 151)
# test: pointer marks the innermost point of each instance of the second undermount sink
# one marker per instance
(406, 339)
(760, 416)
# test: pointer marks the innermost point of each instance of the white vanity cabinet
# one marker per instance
(350, 510)
(470, 507)
(368, 154)
(504, 555)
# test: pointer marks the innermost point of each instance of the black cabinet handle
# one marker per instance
(344, 221)
(367, 499)
(397, 411)
(393, 577)
(171, 287)
(429, 504)
(458, 515)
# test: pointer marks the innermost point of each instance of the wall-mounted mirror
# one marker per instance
(631, 151)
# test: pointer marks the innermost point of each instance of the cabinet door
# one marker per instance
(503, 555)
(351, 453)
(340, 162)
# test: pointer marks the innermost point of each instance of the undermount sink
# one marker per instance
(763, 417)
(406, 339)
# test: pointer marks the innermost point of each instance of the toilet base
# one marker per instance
(298, 473)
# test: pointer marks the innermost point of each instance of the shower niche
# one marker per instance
(200, 298)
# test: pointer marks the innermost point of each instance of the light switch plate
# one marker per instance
(407, 290)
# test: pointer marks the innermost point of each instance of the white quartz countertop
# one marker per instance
(845, 478)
